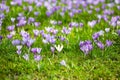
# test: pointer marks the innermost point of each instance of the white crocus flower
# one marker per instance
(13, 32)
(107, 29)
(19, 47)
(63, 63)
(101, 32)
(59, 47)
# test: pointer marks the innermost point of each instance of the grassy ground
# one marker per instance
(98, 64)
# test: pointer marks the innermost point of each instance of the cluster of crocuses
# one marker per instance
(86, 46)
(51, 35)
(96, 36)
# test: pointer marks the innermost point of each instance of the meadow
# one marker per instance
(59, 40)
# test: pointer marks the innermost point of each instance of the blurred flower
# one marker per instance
(92, 23)
(100, 44)
(95, 36)
(9, 36)
(31, 20)
(13, 19)
(118, 32)
(63, 63)
(11, 28)
(65, 30)
(30, 42)
(36, 50)
(1, 38)
(117, 1)
(86, 46)
(36, 32)
(107, 29)
(16, 42)
(19, 47)
(52, 49)
(37, 57)
(37, 24)
(18, 52)
(101, 32)
(26, 57)
(21, 22)
(108, 43)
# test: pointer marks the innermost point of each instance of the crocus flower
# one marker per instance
(31, 20)
(108, 43)
(30, 42)
(36, 13)
(63, 63)
(9, 36)
(36, 32)
(26, 57)
(16, 42)
(65, 30)
(36, 50)
(13, 19)
(19, 47)
(52, 49)
(95, 36)
(37, 57)
(92, 23)
(18, 52)
(107, 29)
(100, 44)
(118, 32)
(59, 47)
(1, 37)
(21, 22)
(101, 32)
(86, 46)
(11, 28)
(37, 24)
(117, 1)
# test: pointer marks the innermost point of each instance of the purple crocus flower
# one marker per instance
(117, 1)
(24, 34)
(48, 13)
(81, 24)
(21, 22)
(66, 31)
(62, 38)
(52, 49)
(1, 37)
(95, 36)
(11, 28)
(16, 42)
(86, 46)
(118, 32)
(36, 50)
(31, 20)
(30, 42)
(37, 24)
(59, 22)
(36, 13)
(100, 44)
(108, 43)
(37, 57)
(9, 36)
(36, 32)
(92, 23)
